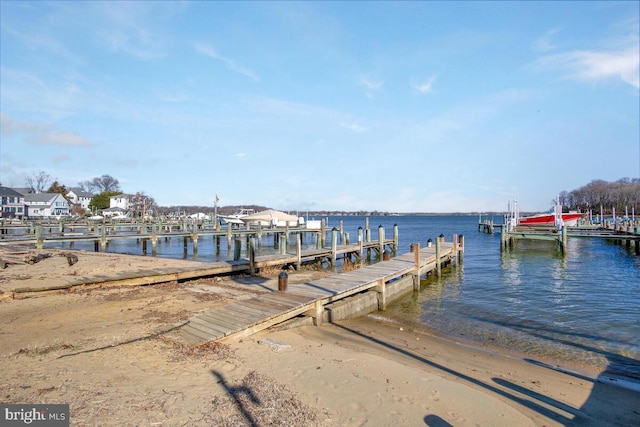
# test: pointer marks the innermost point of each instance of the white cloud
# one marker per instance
(230, 63)
(593, 66)
(618, 58)
(544, 43)
(354, 127)
(41, 134)
(370, 83)
(126, 30)
(424, 87)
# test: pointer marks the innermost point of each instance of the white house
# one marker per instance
(46, 205)
(79, 197)
(120, 201)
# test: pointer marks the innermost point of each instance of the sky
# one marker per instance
(388, 106)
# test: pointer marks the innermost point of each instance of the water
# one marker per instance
(582, 308)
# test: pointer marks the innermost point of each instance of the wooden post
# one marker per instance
(39, 238)
(461, 249)
(103, 238)
(252, 255)
(366, 225)
(503, 238)
(395, 239)
(154, 239)
(360, 243)
(237, 248)
(319, 311)
(194, 237)
(341, 232)
(381, 240)
(299, 251)
(454, 259)
(334, 247)
(438, 266)
(415, 248)
(381, 289)
(285, 243)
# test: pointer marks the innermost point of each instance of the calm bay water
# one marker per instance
(582, 308)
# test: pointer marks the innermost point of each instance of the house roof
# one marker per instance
(79, 192)
(41, 197)
(6, 191)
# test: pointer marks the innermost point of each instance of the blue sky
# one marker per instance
(417, 106)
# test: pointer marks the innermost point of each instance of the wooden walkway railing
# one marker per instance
(245, 317)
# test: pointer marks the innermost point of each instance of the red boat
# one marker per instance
(569, 219)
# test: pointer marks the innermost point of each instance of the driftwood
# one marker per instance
(32, 259)
(71, 258)
(28, 258)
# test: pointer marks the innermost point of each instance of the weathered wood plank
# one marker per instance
(267, 307)
(246, 311)
(225, 321)
(208, 327)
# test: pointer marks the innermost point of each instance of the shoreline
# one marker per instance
(570, 366)
(419, 378)
(101, 352)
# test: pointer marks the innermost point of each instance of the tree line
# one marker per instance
(621, 194)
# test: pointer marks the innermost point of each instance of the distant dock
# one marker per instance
(622, 232)
(148, 235)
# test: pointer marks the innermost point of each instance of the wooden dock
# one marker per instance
(101, 234)
(246, 317)
(627, 233)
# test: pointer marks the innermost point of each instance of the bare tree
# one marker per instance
(102, 184)
(141, 205)
(38, 181)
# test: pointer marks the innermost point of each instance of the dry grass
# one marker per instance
(209, 350)
(36, 350)
(261, 401)
(271, 271)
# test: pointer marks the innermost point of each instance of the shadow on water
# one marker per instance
(616, 363)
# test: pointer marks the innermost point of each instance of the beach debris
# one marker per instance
(8, 258)
(273, 344)
(32, 259)
(71, 258)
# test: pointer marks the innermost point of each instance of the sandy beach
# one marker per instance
(112, 355)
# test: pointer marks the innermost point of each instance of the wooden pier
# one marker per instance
(625, 233)
(385, 278)
(101, 234)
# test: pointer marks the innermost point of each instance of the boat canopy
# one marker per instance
(271, 217)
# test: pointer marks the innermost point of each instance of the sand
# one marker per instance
(111, 354)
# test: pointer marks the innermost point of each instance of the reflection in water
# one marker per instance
(581, 308)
